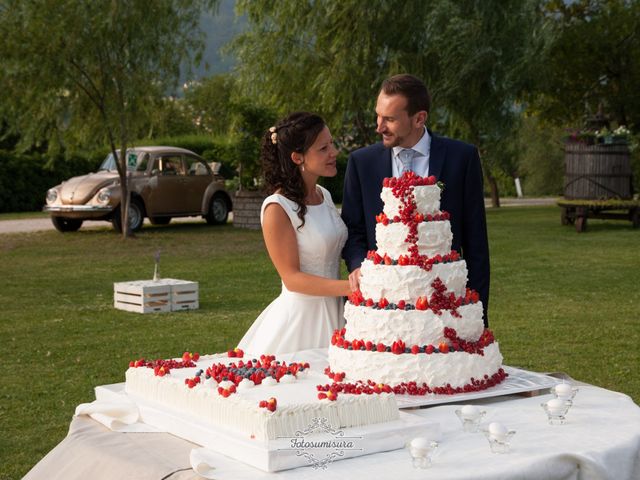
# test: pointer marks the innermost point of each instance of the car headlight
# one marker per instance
(52, 195)
(104, 196)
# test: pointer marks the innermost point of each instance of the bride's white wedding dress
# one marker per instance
(295, 321)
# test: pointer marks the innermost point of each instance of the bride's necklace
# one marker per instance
(315, 198)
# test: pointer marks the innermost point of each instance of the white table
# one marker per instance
(601, 440)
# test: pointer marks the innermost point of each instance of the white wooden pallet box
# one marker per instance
(142, 296)
(184, 294)
(155, 296)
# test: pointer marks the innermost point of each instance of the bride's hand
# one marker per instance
(354, 280)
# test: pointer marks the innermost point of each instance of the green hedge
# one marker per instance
(25, 178)
(228, 152)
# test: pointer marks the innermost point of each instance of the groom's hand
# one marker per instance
(354, 280)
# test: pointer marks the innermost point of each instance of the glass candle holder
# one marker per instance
(565, 392)
(498, 437)
(422, 450)
(556, 410)
(470, 417)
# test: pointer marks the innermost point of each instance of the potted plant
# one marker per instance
(250, 121)
(590, 136)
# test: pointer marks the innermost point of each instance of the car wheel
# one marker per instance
(136, 216)
(63, 224)
(218, 210)
(159, 220)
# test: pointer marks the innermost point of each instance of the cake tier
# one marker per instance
(457, 369)
(427, 200)
(434, 238)
(297, 402)
(413, 327)
(408, 282)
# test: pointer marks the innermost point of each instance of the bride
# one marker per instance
(304, 236)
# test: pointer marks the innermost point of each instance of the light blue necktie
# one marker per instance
(406, 157)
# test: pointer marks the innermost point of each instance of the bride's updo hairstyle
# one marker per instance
(294, 133)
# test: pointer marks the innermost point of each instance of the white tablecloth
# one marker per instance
(601, 440)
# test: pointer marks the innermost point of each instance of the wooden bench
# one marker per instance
(577, 211)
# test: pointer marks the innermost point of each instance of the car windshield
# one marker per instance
(136, 161)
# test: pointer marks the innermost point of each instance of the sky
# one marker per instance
(220, 29)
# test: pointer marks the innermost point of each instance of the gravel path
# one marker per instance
(39, 224)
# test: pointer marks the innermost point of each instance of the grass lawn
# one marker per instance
(560, 301)
(23, 215)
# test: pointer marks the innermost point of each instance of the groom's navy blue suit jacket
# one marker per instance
(457, 165)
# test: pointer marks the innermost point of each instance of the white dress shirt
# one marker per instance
(420, 159)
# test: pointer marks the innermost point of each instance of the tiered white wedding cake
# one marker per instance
(414, 325)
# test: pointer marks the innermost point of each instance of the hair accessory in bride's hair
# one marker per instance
(274, 135)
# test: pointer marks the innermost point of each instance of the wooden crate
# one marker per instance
(149, 296)
(142, 296)
(184, 294)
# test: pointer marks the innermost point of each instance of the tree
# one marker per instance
(169, 116)
(210, 103)
(486, 52)
(93, 70)
(593, 63)
(324, 56)
(541, 159)
(331, 56)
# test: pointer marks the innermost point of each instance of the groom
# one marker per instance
(402, 111)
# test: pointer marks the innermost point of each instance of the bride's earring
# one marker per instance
(297, 157)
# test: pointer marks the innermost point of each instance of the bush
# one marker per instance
(250, 122)
(25, 178)
(225, 153)
(541, 162)
(506, 185)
